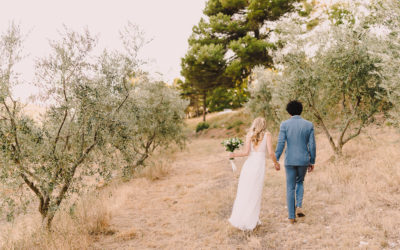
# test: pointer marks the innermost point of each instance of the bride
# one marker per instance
(246, 208)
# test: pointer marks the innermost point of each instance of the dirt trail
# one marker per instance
(189, 208)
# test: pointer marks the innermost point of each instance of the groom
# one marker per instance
(299, 156)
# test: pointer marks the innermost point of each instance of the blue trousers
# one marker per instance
(294, 188)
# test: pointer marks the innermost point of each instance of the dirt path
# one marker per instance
(189, 209)
(166, 213)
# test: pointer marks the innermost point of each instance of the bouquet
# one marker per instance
(231, 145)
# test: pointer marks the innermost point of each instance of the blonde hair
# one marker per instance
(257, 130)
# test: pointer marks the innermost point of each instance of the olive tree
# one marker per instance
(341, 86)
(264, 100)
(334, 73)
(52, 156)
(384, 19)
(152, 118)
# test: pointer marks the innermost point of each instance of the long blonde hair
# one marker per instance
(257, 130)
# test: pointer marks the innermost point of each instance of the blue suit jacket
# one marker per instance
(299, 137)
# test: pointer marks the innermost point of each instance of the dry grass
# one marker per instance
(127, 235)
(159, 165)
(352, 203)
(71, 230)
(156, 170)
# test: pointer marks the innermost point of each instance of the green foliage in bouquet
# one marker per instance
(232, 144)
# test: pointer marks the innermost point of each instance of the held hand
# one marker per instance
(231, 155)
(310, 168)
(277, 166)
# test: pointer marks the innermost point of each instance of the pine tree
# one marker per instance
(202, 69)
(237, 31)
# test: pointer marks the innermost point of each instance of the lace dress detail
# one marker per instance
(246, 208)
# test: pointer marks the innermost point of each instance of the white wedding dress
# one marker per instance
(246, 208)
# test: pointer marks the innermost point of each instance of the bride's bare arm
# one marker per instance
(271, 152)
(245, 151)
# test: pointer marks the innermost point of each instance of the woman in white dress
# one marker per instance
(246, 208)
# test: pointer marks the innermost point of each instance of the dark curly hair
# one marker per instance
(294, 107)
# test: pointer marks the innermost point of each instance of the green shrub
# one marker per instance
(201, 126)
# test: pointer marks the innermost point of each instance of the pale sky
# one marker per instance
(168, 23)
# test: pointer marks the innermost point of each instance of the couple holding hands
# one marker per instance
(298, 135)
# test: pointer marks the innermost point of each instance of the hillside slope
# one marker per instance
(350, 203)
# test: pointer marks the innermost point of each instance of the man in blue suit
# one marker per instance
(298, 134)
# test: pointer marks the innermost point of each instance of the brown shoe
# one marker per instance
(299, 212)
(292, 221)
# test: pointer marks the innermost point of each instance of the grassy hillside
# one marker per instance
(185, 201)
(351, 203)
(222, 124)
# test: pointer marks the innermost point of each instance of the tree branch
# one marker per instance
(357, 133)
(33, 187)
(13, 126)
(16, 148)
(347, 124)
(69, 133)
(59, 131)
(319, 117)
(123, 102)
(65, 113)
(65, 187)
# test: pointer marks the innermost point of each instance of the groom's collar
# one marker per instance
(296, 117)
